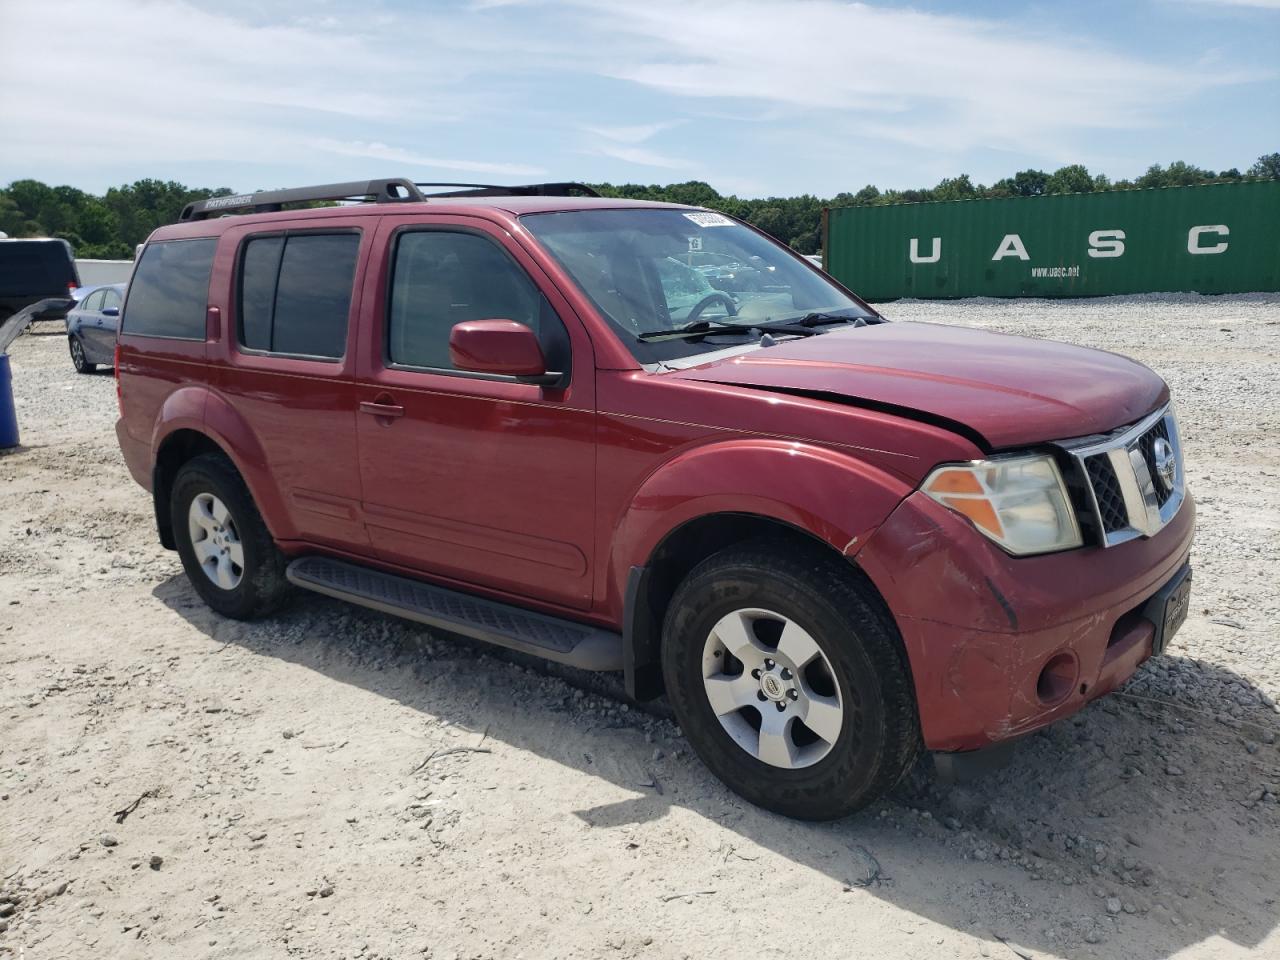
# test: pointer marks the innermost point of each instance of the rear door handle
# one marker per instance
(376, 409)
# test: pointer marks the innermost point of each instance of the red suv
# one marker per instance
(646, 437)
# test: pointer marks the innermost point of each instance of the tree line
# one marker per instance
(798, 220)
(110, 226)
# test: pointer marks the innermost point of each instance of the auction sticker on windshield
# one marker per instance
(710, 219)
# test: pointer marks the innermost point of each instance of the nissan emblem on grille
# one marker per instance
(1166, 463)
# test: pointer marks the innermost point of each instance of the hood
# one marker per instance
(1010, 391)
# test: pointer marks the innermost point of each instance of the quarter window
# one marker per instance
(169, 292)
(442, 278)
(295, 293)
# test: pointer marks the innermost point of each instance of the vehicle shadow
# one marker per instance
(1130, 826)
(47, 328)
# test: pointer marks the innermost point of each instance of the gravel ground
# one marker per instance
(335, 783)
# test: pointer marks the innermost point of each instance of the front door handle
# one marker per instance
(377, 408)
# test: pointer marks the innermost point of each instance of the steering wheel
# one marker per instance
(730, 307)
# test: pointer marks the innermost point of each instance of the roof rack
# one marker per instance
(391, 190)
(567, 189)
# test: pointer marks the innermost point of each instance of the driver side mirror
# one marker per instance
(111, 311)
(501, 347)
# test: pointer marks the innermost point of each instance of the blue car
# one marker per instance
(92, 325)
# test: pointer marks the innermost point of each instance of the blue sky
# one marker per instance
(755, 97)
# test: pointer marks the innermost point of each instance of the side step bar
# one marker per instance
(564, 641)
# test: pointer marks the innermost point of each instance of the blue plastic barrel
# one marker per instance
(8, 412)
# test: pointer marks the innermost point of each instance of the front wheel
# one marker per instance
(786, 674)
(226, 549)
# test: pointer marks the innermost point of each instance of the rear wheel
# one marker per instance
(78, 359)
(225, 547)
(787, 676)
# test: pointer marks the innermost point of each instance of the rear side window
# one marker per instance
(95, 300)
(295, 293)
(169, 293)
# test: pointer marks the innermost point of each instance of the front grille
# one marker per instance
(1106, 488)
(1127, 497)
(1147, 445)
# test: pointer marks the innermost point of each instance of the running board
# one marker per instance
(552, 638)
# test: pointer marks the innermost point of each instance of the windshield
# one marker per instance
(658, 272)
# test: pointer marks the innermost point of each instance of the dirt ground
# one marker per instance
(335, 783)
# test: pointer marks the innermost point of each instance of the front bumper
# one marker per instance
(1000, 646)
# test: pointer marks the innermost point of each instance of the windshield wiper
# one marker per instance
(702, 328)
(818, 318)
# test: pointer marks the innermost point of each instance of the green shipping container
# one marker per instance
(1217, 238)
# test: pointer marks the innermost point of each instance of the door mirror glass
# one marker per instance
(501, 347)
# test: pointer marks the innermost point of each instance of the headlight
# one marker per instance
(1019, 502)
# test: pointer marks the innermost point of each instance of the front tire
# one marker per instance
(78, 358)
(786, 673)
(226, 549)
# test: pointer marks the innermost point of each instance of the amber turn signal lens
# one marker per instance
(955, 481)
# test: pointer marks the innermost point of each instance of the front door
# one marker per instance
(481, 480)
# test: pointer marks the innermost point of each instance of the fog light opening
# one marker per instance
(1057, 679)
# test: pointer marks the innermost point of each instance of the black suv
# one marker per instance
(35, 270)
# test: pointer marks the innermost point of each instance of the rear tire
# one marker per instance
(78, 359)
(226, 549)
(814, 716)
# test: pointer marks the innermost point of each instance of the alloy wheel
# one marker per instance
(216, 541)
(772, 688)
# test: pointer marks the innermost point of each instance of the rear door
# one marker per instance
(287, 366)
(478, 479)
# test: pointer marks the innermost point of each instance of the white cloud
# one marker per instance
(624, 143)
(948, 82)
(380, 151)
(635, 134)
(639, 155)
(146, 84)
